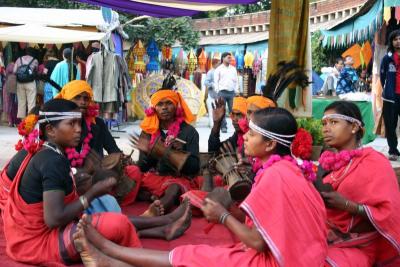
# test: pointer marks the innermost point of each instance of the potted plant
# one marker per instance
(314, 127)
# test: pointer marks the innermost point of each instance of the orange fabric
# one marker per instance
(366, 52)
(260, 102)
(74, 88)
(30, 240)
(354, 52)
(240, 104)
(378, 190)
(151, 123)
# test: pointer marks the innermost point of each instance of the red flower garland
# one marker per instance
(77, 158)
(302, 144)
(173, 129)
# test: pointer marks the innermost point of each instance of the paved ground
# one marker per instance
(9, 137)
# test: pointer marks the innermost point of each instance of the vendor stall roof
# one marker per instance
(46, 35)
(166, 8)
(51, 16)
(235, 38)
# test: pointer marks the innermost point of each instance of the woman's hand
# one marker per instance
(335, 200)
(212, 210)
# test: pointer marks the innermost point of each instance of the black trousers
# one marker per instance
(391, 113)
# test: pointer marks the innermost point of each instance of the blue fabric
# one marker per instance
(347, 81)
(388, 77)
(48, 92)
(60, 75)
(317, 83)
(105, 203)
(353, 25)
(258, 46)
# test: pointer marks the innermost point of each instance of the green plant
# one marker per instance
(314, 127)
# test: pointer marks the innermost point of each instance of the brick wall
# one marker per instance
(317, 10)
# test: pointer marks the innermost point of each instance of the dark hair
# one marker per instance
(224, 55)
(67, 52)
(169, 82)
(55, 105)
(338, 60)
(392, 35)
(35, 110)
(30, 51)
(348, 109)
(279, 121)
(81, 54)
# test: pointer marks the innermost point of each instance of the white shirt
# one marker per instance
(226, 78)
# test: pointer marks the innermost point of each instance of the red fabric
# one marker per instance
(133, 173)
(30, 240)
(282, 205)
(371, 182)
(5, 182)
(397, 62)
(157, 184)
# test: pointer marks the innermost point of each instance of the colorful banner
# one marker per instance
(289, 39)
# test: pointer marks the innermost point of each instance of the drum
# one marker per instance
(176, 158)
(239, 186)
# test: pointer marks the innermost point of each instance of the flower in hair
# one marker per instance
(243, 125)
(302, 144)
(27, 125)
(149, 111)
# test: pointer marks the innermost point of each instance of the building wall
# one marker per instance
(321, 13)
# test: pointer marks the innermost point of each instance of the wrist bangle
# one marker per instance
(223, 217)
(360, 209)
(346, 205)
(84, 202)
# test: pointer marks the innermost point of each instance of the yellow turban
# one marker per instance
(151, 123)
(240, 104)
(260, 102)
(74, 88)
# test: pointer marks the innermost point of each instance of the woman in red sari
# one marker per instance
(360, 191)
(285, 214)
(43, 203)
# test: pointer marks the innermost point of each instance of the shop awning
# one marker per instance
(32, 33)
(166, 8)
(358, 28)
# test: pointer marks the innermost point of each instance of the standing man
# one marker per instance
(211, 94)
(348, 78)
(226, 83)
(390, 80)
(24, 69)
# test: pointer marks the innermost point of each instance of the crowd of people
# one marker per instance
(61, 194)
(35, 76)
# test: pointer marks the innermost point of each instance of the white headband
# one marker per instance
(342, 117)
(59, 116)
(279, 138)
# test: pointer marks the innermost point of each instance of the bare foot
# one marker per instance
(155, 209)
(179, 211)
(91, 257)
(178, 228)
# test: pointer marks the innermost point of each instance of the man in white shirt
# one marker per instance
(226, 83)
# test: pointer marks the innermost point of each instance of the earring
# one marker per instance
(353, 132)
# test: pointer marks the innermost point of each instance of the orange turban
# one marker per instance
(74, 88)
(260, 102)
(151, 124)
(240, 104)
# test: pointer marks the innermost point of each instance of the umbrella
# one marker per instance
(317, 83)
(192, 95)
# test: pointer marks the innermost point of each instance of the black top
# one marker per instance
(192, 166)
(50, 65)
(15, 162)
(46, 171)
(214, 143)
(102, 138)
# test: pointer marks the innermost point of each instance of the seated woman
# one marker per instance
(42, 207)
(360, 191)
(285, 214)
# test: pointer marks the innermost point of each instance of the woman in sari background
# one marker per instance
(361, 193)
